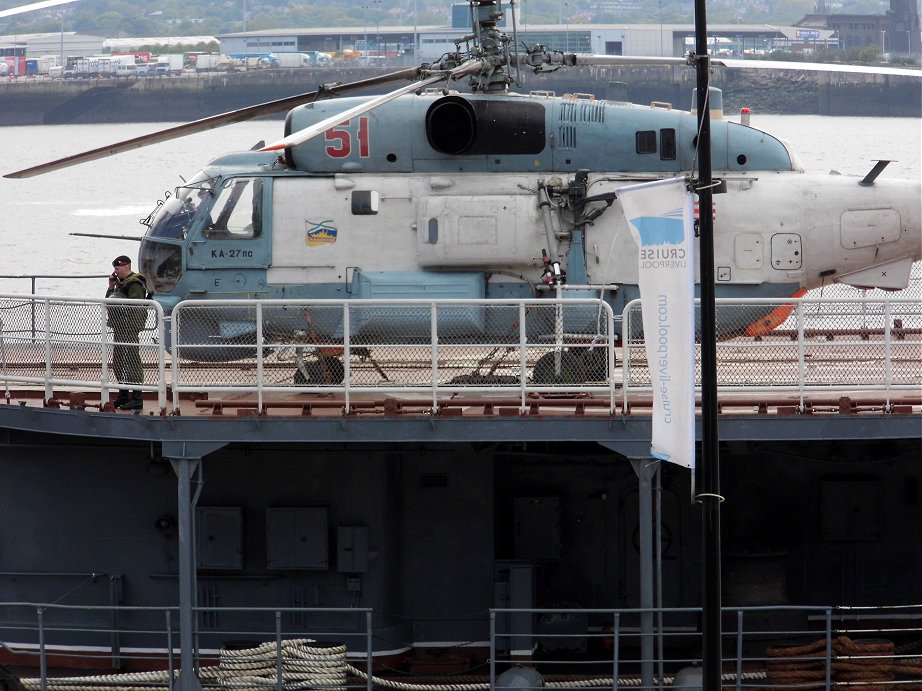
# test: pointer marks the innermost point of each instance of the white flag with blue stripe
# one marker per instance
(660, 215)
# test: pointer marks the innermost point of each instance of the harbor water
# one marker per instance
(110, 196)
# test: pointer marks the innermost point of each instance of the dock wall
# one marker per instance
(174, 99)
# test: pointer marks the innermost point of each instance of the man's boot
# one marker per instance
(136, 402)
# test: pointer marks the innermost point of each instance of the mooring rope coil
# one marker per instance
(305, 664)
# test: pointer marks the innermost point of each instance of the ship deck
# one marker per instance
(835, 368)
(493, 464)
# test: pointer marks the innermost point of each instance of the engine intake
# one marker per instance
(458, 126)
(451, 125)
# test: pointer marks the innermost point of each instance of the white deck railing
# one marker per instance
(821, 346)
(443, 348)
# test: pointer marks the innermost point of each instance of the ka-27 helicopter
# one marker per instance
(428, 192)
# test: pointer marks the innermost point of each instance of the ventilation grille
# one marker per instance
(566, 137)
(582, 110)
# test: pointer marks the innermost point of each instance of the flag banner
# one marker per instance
(660, 216)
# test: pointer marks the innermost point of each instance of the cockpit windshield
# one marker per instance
(173, 216)
(161, 264)
(160, 260)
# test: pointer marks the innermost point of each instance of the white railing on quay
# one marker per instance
(433, 349)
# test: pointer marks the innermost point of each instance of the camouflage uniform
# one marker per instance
(126, 324)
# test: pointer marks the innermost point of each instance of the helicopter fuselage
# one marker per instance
(444, 196)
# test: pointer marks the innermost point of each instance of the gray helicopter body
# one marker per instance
(440, 195)
(488, 133)
(425, 192)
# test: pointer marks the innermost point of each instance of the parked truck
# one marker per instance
(293, 59)
(208, 62)
(320, 59)
(255, 61)
(169, 64)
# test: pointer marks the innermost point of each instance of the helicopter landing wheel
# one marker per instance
(322, 371)
(577, 366)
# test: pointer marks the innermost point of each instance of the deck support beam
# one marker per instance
(186, 459)
(650, 598)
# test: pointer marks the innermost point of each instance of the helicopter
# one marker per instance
(431, 192)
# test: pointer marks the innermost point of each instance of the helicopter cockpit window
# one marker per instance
(173, 218)
(161, 264)
(667, 149)
(646, 141)
(237, 211)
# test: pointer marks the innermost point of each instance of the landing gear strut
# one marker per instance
(576, 366)
(324, 370)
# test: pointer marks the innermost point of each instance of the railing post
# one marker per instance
(801, 352)
(116, 624)
(259, 359)
(104, 355)
(347, 356)
(279, 667)
(169, 650)
(888, 352)
(174, 360)
(610, 347)
(625, 355)
(615, 645)
(739, 649)
(161, 356)
(828, 648)
(49, 391)
(434, 332)
(33, 309)
(558, 332)
(369, 651)
(523, 359)
(493, 647)
(42, 661)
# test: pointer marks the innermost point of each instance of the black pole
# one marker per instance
(709, 469)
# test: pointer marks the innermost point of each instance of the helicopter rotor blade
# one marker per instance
(33, 6)
(560, 59)
(308, 133)
(213, 121)
(816, 67)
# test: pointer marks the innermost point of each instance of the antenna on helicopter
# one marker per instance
(874, 173)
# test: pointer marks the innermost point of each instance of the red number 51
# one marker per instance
(340, 139)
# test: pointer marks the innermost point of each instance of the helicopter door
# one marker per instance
(235, 234)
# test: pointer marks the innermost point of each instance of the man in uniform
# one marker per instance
(126, 324)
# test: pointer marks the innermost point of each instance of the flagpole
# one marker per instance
(709, 477)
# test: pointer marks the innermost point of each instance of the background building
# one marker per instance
(397, 42)
(897, 31)
(56, 43)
